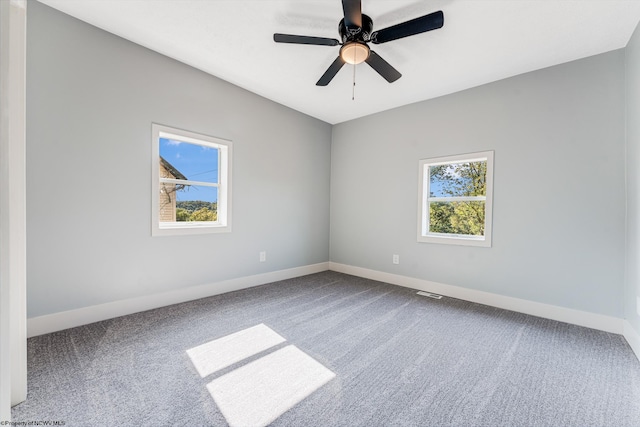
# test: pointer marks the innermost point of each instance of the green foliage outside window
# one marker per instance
(196, 210)
(182, 214)
(458, 180)
(203, 214)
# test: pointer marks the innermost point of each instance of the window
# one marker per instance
(455, 195)
(191, 191)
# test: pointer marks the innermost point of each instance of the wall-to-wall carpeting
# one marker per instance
(398, 359)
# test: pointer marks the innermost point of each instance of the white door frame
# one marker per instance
(13, 331)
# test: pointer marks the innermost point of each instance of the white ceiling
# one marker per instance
(481, 41)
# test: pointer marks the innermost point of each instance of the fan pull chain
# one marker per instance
(353, 88)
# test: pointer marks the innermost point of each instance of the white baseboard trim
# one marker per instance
(69, 319)
(562, 314)
(633, 338)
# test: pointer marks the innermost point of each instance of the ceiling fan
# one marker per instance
(356, 32)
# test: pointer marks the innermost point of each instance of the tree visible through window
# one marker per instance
(188, 181)
(456, 199)
(454, 181)
(192, 182)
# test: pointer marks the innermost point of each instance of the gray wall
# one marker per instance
(91, 99)
(559, 193)
(559, 196)
(632, 290)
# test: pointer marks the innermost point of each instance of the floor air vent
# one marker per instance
(430, 295)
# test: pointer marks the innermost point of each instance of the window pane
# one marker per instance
(183, 160)
(466, 218)
(188, 203)
(458, 179)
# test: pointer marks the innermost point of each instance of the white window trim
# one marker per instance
(225, 147)
(424, 236)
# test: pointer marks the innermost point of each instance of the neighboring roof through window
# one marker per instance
(175, 172)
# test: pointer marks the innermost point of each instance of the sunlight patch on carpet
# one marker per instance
(218, 354)
(259, 392)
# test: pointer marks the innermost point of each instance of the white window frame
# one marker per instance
(424, 198)
(225, 148)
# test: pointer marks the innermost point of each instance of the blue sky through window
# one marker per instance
(197, 163)
(451, 183)
(197, 192)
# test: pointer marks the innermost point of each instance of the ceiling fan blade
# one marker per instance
(429, 22)
(383, 68)
(331, 72)
(290, 38)
(352, 14)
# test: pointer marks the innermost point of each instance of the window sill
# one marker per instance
(480, 241)
(188, 228)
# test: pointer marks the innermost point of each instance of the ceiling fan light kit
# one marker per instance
(354, 52)
(356, 31)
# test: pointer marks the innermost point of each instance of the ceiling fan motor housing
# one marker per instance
(362, 34)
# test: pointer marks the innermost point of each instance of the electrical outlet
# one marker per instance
(263, 256)
(396, 259)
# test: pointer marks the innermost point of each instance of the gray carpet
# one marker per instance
(399, 360)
